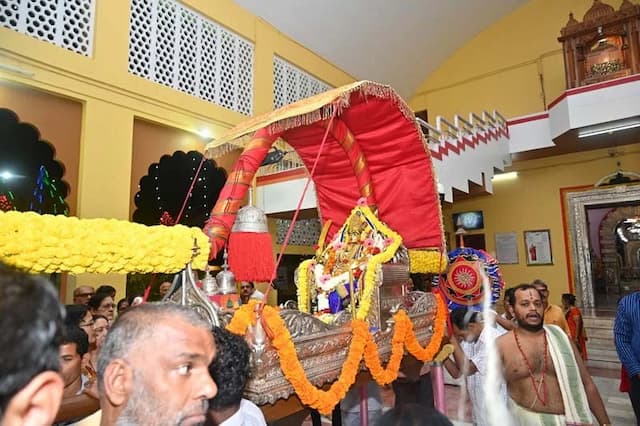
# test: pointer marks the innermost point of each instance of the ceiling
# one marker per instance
(401, 43)
(393, 42)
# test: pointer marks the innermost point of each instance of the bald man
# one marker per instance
(82, 294)
(144, 381)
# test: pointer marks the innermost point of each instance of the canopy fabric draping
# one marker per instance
(385, 130)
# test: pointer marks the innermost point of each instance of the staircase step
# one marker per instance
(595, 322)
(600, 342)
(603, 364)
(603, 355)
(600, 333)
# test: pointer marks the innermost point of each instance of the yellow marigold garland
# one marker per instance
(427, 261)
(48, 243)
(362, 345)
(303, 285)
(292, 369)
(387, 375)
(376, 262)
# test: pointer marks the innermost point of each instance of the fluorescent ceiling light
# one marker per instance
(504, 176)
(609, 128)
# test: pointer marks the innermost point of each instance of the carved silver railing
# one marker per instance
(185, 292)
(321, 348)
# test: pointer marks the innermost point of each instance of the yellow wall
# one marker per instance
(501, 67)
(533, 202)
(509, 67)
(113, 99)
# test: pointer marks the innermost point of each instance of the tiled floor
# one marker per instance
(458, 409)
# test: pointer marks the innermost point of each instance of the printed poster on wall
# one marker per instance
(537, 245)
(507, 248)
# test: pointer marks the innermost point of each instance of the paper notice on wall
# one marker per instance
(507, 247)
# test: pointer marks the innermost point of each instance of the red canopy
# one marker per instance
(387, 150)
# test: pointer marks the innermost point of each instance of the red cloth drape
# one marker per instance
(401, 171)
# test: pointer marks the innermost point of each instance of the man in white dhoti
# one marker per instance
(547, 381)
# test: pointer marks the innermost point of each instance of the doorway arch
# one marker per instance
(612, 262)
(578, 232)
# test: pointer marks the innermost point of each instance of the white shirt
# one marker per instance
(247, 415)
(257, 295)
(477, 353)
(501, 329)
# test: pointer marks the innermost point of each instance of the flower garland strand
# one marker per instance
(302, 281)
(375, 263)
(292, 369)
(439, 322)
(372, 269)
(243, 317)
(387, 375)
(47, 243)
(427, 261)
(362, 345)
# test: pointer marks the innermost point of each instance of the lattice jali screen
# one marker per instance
(306, 232)
(291, 84)
(65, 23)
(175, 46)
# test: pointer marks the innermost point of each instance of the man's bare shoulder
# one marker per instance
(505, 338)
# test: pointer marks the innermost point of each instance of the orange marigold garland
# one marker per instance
(362, 345)
(439, 322)
(323, 401)
(243, 317)
(386, 375)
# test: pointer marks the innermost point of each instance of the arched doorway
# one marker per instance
(619, 246)
(582, 260)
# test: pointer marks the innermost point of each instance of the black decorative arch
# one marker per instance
(163, 190)
(30, 176)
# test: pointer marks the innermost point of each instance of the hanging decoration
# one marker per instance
(6, 203)
(462, 284)
(46, 197)
(251, 247)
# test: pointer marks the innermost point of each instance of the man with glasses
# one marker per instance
(82, 294)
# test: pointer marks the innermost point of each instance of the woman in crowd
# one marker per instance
(123, 305)
(576, 325)
(102, 304)
(100, 327)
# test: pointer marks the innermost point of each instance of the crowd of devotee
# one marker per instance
(95, 362)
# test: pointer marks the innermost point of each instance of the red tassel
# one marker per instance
(251, 256)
